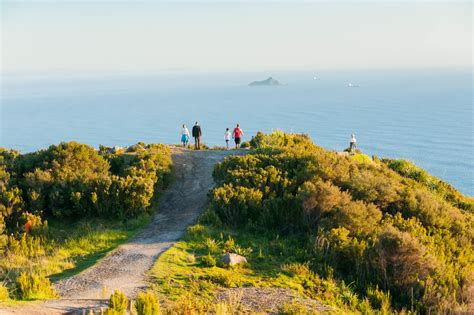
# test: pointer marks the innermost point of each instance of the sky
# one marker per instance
(232, 36)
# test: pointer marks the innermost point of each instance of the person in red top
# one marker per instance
(237, 135)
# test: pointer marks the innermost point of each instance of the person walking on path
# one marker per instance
(237, 135)
(197, 133)
(352, 144)
(227, 136)
(185, 136)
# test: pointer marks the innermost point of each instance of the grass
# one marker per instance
(181, 273)
(69, 248)
(93, 241)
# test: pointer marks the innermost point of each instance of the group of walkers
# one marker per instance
(236, 134)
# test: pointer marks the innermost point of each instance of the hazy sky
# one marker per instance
(233, 36)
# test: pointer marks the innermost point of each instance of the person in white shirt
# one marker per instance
(185, 136)
(227, 136)
(352, 144)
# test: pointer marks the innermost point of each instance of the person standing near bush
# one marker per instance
(237, 135)
(185, 136)
(227, 136)
(352, 144)
(197, 133)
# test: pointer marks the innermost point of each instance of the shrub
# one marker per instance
(323, 201)
(236, 249)
(208, 260)
(373, 222)
(32, 286)
(297, 269)
(378, 299)
(187, 304)
(402, 260)
(293, 308)
(118, 303)
(196, 229)
(147, 304)
(4, 294)
(225, 279)
(73, 179)
(211, 245)
(210, 217)
(237, 205)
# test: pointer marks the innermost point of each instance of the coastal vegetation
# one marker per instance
(357, 233)
(319, 231)
(63, 208)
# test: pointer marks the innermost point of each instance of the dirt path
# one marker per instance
(125, 268)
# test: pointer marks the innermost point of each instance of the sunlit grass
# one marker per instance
(179, 274)
(71, 247)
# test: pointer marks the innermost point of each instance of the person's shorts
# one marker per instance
(237, 140)
(184, 138)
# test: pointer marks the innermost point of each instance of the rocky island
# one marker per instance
(269, 81)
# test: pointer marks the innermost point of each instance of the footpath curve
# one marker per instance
(125, 267)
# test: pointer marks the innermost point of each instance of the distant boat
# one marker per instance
(315, 78)
(352, 85)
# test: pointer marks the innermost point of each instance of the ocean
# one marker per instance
(423, 115)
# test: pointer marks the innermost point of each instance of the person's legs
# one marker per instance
(227, 144)
(196, 145)
(199, 143)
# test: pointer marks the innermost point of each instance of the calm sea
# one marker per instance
(422, 115)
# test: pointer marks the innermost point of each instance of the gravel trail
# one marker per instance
(125, 268)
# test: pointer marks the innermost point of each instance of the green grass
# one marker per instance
(181, 278)
(69, 247)
(86, 248)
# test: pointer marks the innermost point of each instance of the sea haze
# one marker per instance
(422, 115)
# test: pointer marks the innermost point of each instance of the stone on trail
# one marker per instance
(231, 259)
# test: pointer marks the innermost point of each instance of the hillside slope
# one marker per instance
(125, 268)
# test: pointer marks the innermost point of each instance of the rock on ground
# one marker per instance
(231, 259)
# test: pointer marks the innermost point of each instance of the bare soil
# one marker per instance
(269, 300)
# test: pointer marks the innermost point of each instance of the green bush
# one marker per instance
(379, 300)
(225, 279)
(31, 286)
(237, 205)
(446, 191)
(196, 230)
(384, 223)
(293, 308)
(297, 269)
(4, 294)
(73, 179)
(147, 304)
(236, 249)
(210, 217)
(208, 260)
(212, 245)
(118, 303)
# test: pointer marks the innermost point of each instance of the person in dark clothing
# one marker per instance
(197, 136)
